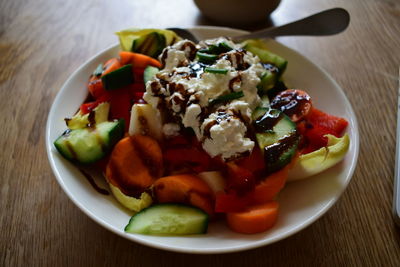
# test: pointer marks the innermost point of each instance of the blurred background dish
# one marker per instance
(237, 12)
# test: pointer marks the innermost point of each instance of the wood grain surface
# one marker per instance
(43, 41)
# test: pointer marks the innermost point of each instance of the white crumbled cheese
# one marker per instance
(171, 129)
(176, 98)
(241, 107)
(227, 138)
(250, 80)
(174, 58)
(218, 40)
(152, 100)
(191, 118)
(186, 89)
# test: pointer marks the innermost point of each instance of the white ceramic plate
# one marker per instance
(302, 203)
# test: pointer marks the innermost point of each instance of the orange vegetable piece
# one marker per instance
(138, 60)
(255, 219)
(185, 188)
(111, 65)
(269, 188)
(134, 164)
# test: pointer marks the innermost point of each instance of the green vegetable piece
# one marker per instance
(168, 219)
(88, 145)
(206, 58)
(217, 49)
(268, 57)
(269, 78)
(226, 98)
(151, 44)
(215, 70)
(225, 46)
(98, 71)
(149, 73)
(118, 78)
(276, 136)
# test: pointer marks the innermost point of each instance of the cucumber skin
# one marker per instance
(138, 216)
(266, 139)
(118, 78)
(268, 57)
(149, 73)
(114, 135)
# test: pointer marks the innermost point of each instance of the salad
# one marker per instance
(187, 134)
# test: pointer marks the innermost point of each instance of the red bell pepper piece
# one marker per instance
(239, 179)
(230, 202)
(120, 105)
(316, 126)
(193, 158)
(89, 106)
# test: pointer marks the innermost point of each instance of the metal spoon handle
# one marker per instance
(327, 22)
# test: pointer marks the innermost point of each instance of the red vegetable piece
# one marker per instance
(120, 105)
(254, 162)
(294, 103)
(193, 158)
(239, 179)
(316, 126)
(95, 87)
(334, 124)
(229, 202)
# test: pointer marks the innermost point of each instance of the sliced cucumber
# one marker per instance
(151, 44)
(277, 137)
(266, 56)
(269, 78)
(168, 219)
(149, 73)
(265, 103)
(118, 78)
(88, 145)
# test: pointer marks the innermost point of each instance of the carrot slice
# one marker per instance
(268, 189)
(134, 164)
(255, 219)
(111, 65)
(187, 189)
(138, 60)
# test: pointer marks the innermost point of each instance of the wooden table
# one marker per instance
(43, 41)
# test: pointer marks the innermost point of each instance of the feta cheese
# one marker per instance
(174, 59)
(171, 129)
(185, 90)
(227, 137)
(191, 118)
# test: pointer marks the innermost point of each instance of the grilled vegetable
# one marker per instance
(87, 145)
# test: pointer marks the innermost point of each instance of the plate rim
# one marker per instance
(255, 244)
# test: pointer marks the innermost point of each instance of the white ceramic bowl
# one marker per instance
(302, 203)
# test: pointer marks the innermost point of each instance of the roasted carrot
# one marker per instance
(134, 164)
(111, 65)
(137, 60)
(269, 188)
(185, 188)
(255, 219)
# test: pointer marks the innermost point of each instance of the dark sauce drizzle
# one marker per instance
(93, 183)
(290, 102)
